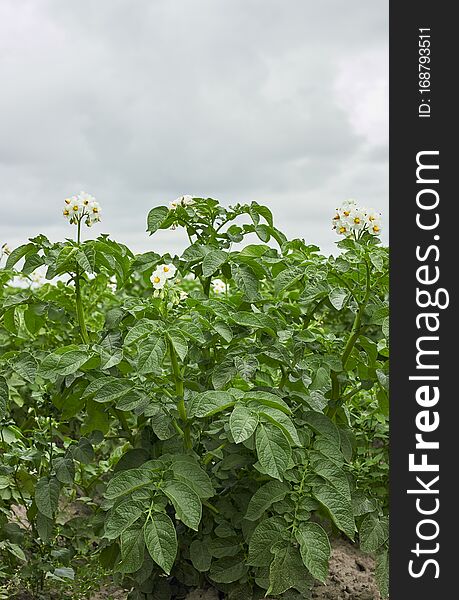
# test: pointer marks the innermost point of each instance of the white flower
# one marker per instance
(93, 209)
(353, 219)
(356, 220)
(168, 271)
(158, 279)
(81, 207)
(5, 249)
(187, 200)
(86, 199)
(181, 201)
(219, 286)
(183, 295)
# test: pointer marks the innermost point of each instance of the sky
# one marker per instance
(137, 102)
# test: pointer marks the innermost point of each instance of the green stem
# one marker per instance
(179, 391)
(355, 332)
(79, 305)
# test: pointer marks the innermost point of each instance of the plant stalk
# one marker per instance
(78, 302)
(179, 390)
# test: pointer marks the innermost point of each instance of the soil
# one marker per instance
(351, 575)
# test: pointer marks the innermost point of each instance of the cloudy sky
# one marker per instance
(140, 101)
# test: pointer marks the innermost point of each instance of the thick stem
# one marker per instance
(79, 305)
(355, 332)
(179, 391)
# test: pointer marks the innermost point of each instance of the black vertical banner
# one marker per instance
(424, 242)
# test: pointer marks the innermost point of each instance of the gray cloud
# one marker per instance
(138, 102)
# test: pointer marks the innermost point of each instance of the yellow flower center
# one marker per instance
(95, 209)
(372, 218)
(166, 269)
(156, 280)
(67, 201)
(342, 229)
(336, 217)
(66, 212)
(376, 229)
(76, 208)
(356, 220)
(347, 213)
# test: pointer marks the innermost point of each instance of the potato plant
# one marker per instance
(200, 411)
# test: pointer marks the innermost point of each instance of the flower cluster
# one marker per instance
(352, 219)
(161, 274)
(181, 201)
(82, 207)
(218, 286)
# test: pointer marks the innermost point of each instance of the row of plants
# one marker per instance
(207, 419)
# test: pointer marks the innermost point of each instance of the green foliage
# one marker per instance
(214, 438)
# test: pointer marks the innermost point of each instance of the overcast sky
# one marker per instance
(140, 101)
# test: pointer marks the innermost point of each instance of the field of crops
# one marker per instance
(209, 420)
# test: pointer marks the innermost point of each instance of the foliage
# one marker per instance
(210, 437)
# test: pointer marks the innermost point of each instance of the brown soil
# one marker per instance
(351, 575)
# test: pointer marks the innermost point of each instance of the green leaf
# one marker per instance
(213, 260)
(44, 527)
(223, 330)
(121, 517)
(16, 551)
(228, 569)
(26, 366)
(271, 492)
(315, 549)
(246, 281)
(65, 469)
(126, 482)
(151, 355)
(373, 533)
(132, 400)
(4, 397)
(186, 502)
(187, 469)
(108, 389)
(329, 470)
(132, 550)
(64, 361)
(281, 420)
(243, 423)
(156, 218)
(287, 278)
(83, 452)
(141, 329)
(338, 297)
(264, 536)
(246, 366)
(273, 450)
(19, 253)
(224, 546)
(83, 259)
(339, 507)
(323, 425)
(382, 572)
(47, 496)
(209, 403)
(178, 342)
(287, 571)
(161, 540)
(200, 555)
(256, 321)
